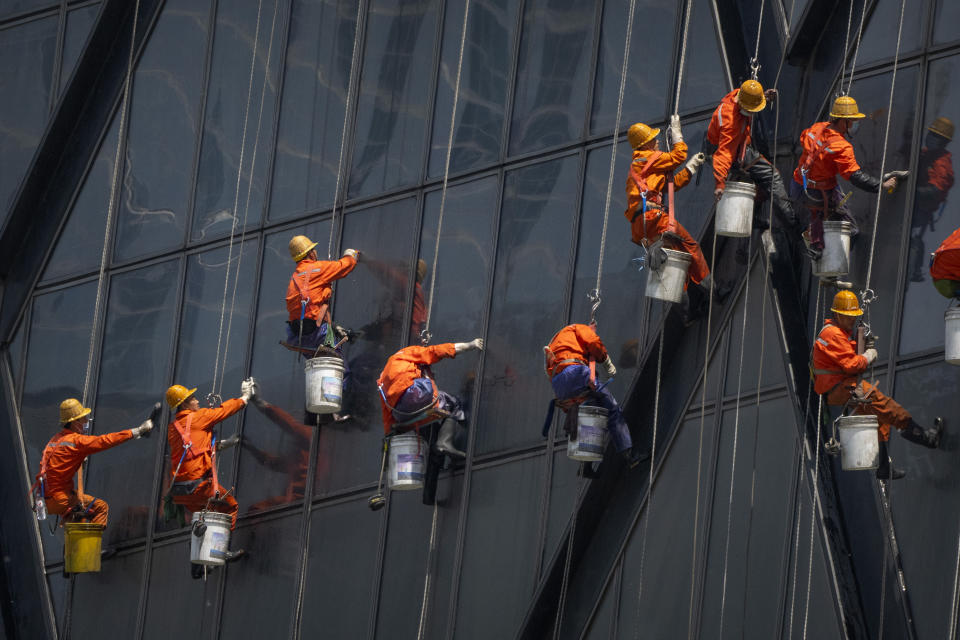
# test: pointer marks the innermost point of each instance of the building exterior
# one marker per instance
(249, 121)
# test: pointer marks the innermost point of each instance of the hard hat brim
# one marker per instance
(939, 133)
(850, 116)
(760, 107)
(845, 312)
(303, 254)
(654, 132)
(186, 397)
(83, 412)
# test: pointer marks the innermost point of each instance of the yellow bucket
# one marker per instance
(81, 547)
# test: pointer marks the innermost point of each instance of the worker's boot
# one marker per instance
(232, 556)
(587, 471)
(196, 571)
(886, 471)
(445, 439)
(929, 438)
(633, 458)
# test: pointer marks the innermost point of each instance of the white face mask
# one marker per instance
(744, 112)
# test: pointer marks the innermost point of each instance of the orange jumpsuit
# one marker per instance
(575, 344)
(197, 463)
(729, 131)
(945, 265)
(402, 369)
(61, 460)
(836, 368)
(312, 280)
(654, 168)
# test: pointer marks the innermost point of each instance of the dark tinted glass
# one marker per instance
(220, 202)
(647, 90)
(26, 71)
(704, 79)
(318, 63)
(880, 30)
(21, 6)
(529, 297)
(694, 202)
(398, 64)
(186, 608)
(602, 625)
(79, 23)
(935, 213)
(373, 299)
(500, 546)
(158, 167)
(17, 344)
(483, 84)
(134, 372)
(945, 25)
(552, 86)
(565, 486)
(117, 583)
(58, 594)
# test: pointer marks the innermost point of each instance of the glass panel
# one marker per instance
(162, 137)
(276, 444)
(58, 593)
(342, 540)
(500, 545)
(602, 625)
(79, 248)
(552, 74)
(118, 583)
(483, 84)
(704, 79)
(134, 371)
(374, 299)
(260, 593)
(935, 213)
(529, 294)
(79, 23)
(880, 31)
(184, 609)
(394, 91)
(56, 364)
(648, 85)
(26, 70)
(564, 487)
(11, 7)
(16, 347)
(219, 200)
(945, 25)
(311, 109)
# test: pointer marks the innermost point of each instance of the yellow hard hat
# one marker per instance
(421, 269)
(177, 394)
(71, 409)
(640, 134)
(943, 127)
(846, 304)
(846, 107)
(300, 246)
(751, 96)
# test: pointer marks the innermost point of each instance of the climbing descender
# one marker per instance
(214, 400)
(754, 68)
(594, 297)
(425, 337)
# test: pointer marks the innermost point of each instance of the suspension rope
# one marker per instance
(568, 560)
(856, 50)
(343, 133)
(683, 54)
(846, 43)
(754, 62)
(883, 571)
(425, 333)
(425, 603)
(798, 512)
(814, 508)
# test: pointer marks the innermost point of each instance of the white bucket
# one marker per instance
(324, 379)
(859, 442)
(835, 259)
(951, 341)
(211, 547)
(592, 435)
(667, 283)
(735, 210)
(406, 463)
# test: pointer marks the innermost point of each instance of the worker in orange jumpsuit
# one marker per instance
(65, 453)
(934, 181)
(570, 360)
(649, 220)
(827, 153)
(410, 399)
(945, 266)
(837, 368)
(734, 157)
(309, 292)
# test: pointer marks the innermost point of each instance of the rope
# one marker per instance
(796, 541)
(883, 574)
(683, 54)
(425, 333)
(756, 51)
(856, 50)
(846, 44)
(425, 603)
(814, 504)
(343, 133)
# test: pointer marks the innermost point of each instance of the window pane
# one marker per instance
(226, 104)
(394, 88)
(552, 74)
(134, 371)
(16, 355)
(118, 583)
(159, 163)
(648, 85)
(945, 25)
(935, 213)
(79, 23)
(177, 605)
(529, 294)
(11, 7)
(311, 110)
(483, 84)
(880, 31)
(564, 487)
(26, 71)
(704, 79)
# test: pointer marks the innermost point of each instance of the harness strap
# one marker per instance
(186, 439)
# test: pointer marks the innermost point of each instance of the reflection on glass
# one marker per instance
(291, 462)
(79, 23)
(529, 294)
(483, 84)
(945, 24)
(192, 600)
(162, 136)
(552, 69)
(704, 78)
(880, 30)
(394, 87)
(226, 111)
(118, 583)
(317, 71)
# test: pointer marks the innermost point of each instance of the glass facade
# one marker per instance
(233, 145)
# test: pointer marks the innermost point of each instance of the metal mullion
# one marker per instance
(787, 568)
(592, 71)
(434, 91)
(58, 56)
(29, 16)
(511, 84)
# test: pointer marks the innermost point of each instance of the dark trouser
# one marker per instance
(813, 199)
(760, 171)
(573, 381)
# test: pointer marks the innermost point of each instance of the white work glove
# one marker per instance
(145, 427)
(476, 343)
(353, 253)
(870, 355)
(695, 162)
(609, 368)
(675, 134)
(248, 389)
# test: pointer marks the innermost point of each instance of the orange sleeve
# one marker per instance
(207, 418)
(844, 159)
(336, 269)
(589, 338)
(670, 160)
(723, 156)
(87, 445)
(940, 173)
(293, 301)
(435, 353)
(840, 350)
(681, 178)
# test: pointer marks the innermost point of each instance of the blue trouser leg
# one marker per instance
(574, 381)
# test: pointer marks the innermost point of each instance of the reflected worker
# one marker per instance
(64, 455)
(934, 181)
(837, 368)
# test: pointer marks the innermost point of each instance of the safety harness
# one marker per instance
(186, 487)
(551, 364)
(856, 394)
(38, 489)
(323, 315)
(815, 154)
(640, 179)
